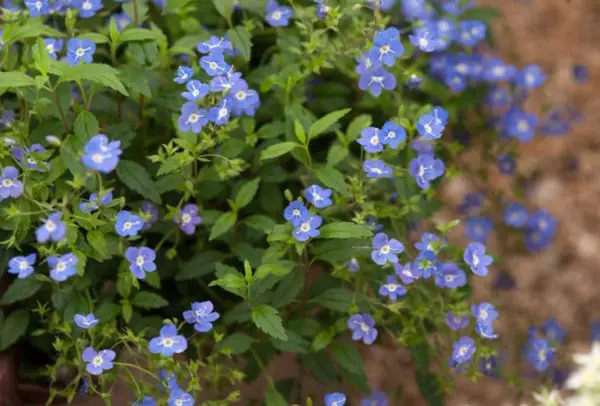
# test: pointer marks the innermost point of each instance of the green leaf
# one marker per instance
(337, 153)
(34, 28)
(322, 340)
(98, 242)
(201, 264)
(241, 39)
(21, 289)
(246, 193)
(86, 126)
(238, 343)
(174, 6)
(148, 300)
(345, 230)
(277, 150)
(274, 398)
(15, 80)
(71, 160)
(95, 37)
(94, 72)
(288, 289)
(334, 179)
(323, 124)
(232, 282)
(127, 311)
(260, 222)
(41, 56)
(299, 131)
(13, 328)
(483, 14)
(134, 77)
(222, 225)
(349, 358)
(340, 299)
(136, 34)
(225, 8)
(273, 269)
(135, 177)
(107, 311)
(356, 126)
(295, 343)
(429, 386)
(267, 319)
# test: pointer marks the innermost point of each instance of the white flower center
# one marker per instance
(423, 42)
(463, 351)
(296, 212)
(377, 79)
(127, 225)
(61, 266)
(391, 134)
(276, 16)
(241, 95)
(7, 182)
(391, 287)
(523, 126)
(427, 128)
(475, 259)
(374, 140)
(186, 218)
(80, 52)
(499, 70)
(87, 5)
(483, 315)
(223, 112)
(385, 249)
(213, 65)
(385, 49)
(98, 158)
(38, 5)
(50, 225)
(542, 355)
(364, 326)
(139, 260)
(179, 402)
(23, 265)
(305, 227)
(97, 361)
(50, 48)
(193, 118)
(168, 342)
(449, 278)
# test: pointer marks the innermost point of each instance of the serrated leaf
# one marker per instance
(349, 358)
(34, 28)
(135, 177)
(232, 282)
(15, 80)
(246, 193)
(267, 319)
(222, 225)
(134, 77)
(225, 8)
(148, 300)
(21, 289)
(13, 328)
(334, 179)
(345, 230)
(136, 34)
(324, 123)
(86, 126)
(277, 150)
(94, 72)
(241, 40)
(97, 241)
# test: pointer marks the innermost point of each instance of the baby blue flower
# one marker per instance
(192, 118)
(539, 354)
(150, 212)
(201, 316)
(430, 242)
(94, 203)
(363, 328)
(128, 224)
(53, 46)
(486, 330)
(220, 84)
(489, 365)
(146, 401)
(498, 97)
(472, 203)
(531, 77)
(422, 145)
(376, 168)
(183, 74)
(308, 228)
(215, 45)
(220, 114)
(414, 81)
(62, 268)
(369, 139)
(85, 320)
(485, 313)
(88, 8)
(478, 228)
(10, 185)
(495, 70)
(463, 350)
(416, 9)
(319, 197)
(541, 227)
(426, 263)
(295, 212)
(455, 81)
(456, 7)
(385, 249)
(425, 37)
(366, 63)
(335, 399)
(277, 15)
(376, 398)
(448, 275)
(141, 260)
(553, 331)
(425, 168)
(392, 134)
(447, 33)
(188, 219)
(122, 20)
(387, 46)
(168, 343)
(178, 397)
(472, 32)
(353, 265)
(37, 7)
(167, 381)
(377, 79)
(80, 50)
(196, 90)
(244, 100)
(431, 124)
(407, 273)
(98, 362)
(214, 65)
(100, 154)
(520, 125)
(53, 229)
(507, 164)
(22, 266)
(476, 258)
(392, 288)
(456, 322)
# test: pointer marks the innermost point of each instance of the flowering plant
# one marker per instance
(231, 180)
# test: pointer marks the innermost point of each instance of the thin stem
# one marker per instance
(136, 17)
(60, 110)
(139, 368)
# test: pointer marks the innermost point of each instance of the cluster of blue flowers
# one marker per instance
(85, 8)
(306, 223)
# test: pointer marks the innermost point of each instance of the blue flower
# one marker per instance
(168, 343)
(196, 90)
(201, 316)
(101, 154)
(220, 114)
(456, 322)
(414, 81)
(53, 229)
(426, 263)
(476, 258)
(407, 273)
(515, 215)
(62, 268)
(366, 63)
(531, 77)
(353, 265)
(122, 20)
(425, 168)
(308, 227)
(37, 7)
(430, 242)
(335, 399)
(277, 16)
(446, 31)
(455, 81)
(486, 330)
(478, 228)
(392, 288)
(425, 37)
(376, 168)
(448, 275)
(463, 350)
(192, 118)
(220, 84)
(85, 320)
(489, 365)
(183, 74)
(363, 328)
(323, 9)
(422, 145)
(539, 354)
(431, 124)
(555, 123)
(504, 281)
(10, 185)
(215, 45)
(595, 331)
(295, 212)
(88, 8)
(319, 197)
(520, 125)
(178, 397)
(22, 266)
(472, 202)
(498, 97)
(244, 100)
(495, 70)
(471, 32)
(214, 64)
(553, 331)
(94, 202)
(387, 46)
(167, 381)
(416, 9)
(98, 362)
(188, 219)
(507, 164)
(543, 222)
(53, 46)
(485, 313)
(141, 260)
(376, 398)
(150, 212)
(31, 157)
(385, 249)
(369, 139)
(128, 224)
(377, 79)
(392, 134)
(80, 50)
(580, 73)
(146, 401)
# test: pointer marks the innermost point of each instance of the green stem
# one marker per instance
(60, 110)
